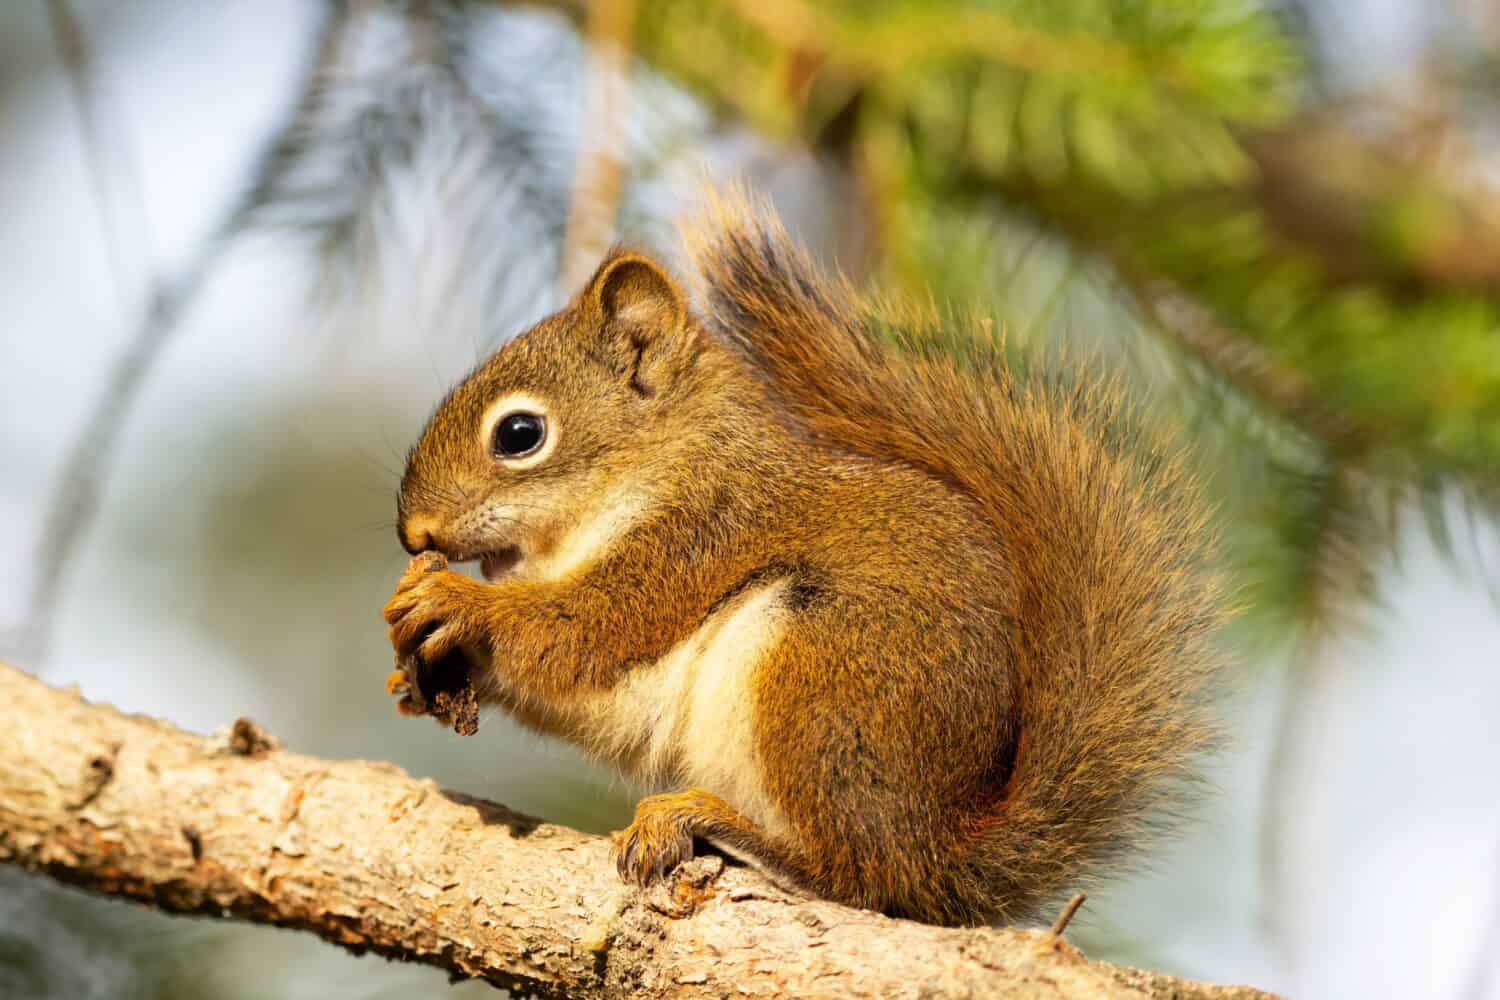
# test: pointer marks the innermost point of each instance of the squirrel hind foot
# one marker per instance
(658, 840)
(662, 835)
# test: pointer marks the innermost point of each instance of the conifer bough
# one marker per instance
(361, 854)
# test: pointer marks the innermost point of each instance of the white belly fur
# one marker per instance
(688, 719)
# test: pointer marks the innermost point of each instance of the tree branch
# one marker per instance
(359, 853)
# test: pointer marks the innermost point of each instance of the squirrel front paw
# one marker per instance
(434, 612)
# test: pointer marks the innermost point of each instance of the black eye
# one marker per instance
(519, 434)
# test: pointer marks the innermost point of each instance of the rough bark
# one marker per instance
(230, 825)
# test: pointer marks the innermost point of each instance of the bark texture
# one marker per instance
(231, 825)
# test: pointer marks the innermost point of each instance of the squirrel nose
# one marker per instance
(418, 533)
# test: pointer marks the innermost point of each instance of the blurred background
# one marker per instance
(246, 245)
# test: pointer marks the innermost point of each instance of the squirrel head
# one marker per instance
(566, 416)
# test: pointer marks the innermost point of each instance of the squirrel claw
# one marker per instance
(432, 613)
(656, 842)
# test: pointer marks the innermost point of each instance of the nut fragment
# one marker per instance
(459, 709)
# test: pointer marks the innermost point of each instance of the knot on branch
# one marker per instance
(98, 771)
(686, 888)
(245, 738)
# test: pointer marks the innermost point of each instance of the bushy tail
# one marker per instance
(1112, 649)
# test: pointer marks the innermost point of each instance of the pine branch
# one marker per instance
(362, 855)
(1194, 330)
(599, 174)
(284, 191)
(80, 487)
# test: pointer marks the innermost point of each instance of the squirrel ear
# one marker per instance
(644, 320)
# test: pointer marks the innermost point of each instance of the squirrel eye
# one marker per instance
(519, 434)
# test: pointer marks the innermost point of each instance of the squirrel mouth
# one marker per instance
(496, 565)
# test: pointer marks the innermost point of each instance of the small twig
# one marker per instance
(599, 180)
(105, 155)
(1066, 916)
(76, 497)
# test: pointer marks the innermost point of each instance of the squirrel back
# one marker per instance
(1102, 527)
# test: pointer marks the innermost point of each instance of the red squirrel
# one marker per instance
(905, 629)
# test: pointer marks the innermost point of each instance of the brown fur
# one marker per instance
(979, 618)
